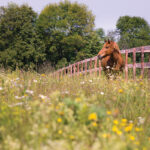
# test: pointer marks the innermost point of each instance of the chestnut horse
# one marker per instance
(111, 58)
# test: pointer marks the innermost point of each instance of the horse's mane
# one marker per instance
(115, 46)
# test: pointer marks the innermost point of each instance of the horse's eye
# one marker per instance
(107, 47)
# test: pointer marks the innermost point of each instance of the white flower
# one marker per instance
(102, 93)
(82, 82)
(90, 81)
(1, 88)
(35, 81)
(28, 108)
(141, 120)
(20, 85)
(17, 104)
(17, 97)
(107, 67)
(29, 92)
(66, 92)
(43, 97)
(130, 121)
(17, 79)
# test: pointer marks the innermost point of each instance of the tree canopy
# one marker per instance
(67, 29)
(134, 32)
(20, 45)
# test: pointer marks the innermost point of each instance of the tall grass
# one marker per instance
(81, 113)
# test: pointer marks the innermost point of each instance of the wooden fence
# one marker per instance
(93, 65)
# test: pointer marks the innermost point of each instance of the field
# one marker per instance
(38, 112)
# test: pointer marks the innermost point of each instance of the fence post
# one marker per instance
(64, 71)
(126, 65)
(74, 69)
(96, 66)
(61, 73)
(90, 66)
(142, 62)
(134, 63)
(58, 75)
(149, 68)
(85, 67)
(68, 70)
(78, 68)
(82, 67)
(71, 70)
(99, 68)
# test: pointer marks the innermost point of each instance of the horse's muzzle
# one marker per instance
(100, 57)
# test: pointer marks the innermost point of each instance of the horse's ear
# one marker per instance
(108, 41)
(105, 40)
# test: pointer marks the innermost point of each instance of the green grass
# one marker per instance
(85, 113)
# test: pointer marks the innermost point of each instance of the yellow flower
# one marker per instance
(132, 138)
(114, 128)
(94, 124)
(46, 125)
(61, 104)
(61, 113)
(119, 132)
(92, 116)
(71, 137)
(57, 107)
(128, 128)
(124, 120)
(78, 99)
(108, 119)
(59, 120)
(104, 135)
(25, 95)
(123, 124)
(141, 83)
(137, 143)
(120, 91)
(116, 122)
(59, 131)
(141, 76)
(108, 112)
(138, 129)
(43, 75)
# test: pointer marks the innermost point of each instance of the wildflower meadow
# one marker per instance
(38, 112)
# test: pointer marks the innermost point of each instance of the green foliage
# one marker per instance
(20, 45)
(67, 31)
(134, 32)
(100, 33)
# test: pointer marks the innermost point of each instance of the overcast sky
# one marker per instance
(106, 12)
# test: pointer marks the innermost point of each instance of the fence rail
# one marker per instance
(91, 65)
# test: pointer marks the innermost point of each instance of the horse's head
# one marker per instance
(108, 48)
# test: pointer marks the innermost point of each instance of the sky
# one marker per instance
(106, 12)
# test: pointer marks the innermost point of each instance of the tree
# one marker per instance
(100, 32)
(20, 45)
(66, 29)
(92, 46)
(134, 32)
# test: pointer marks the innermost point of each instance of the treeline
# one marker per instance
(61, 34)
